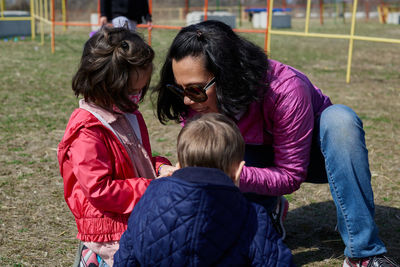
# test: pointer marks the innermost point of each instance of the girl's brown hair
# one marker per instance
(211, 140)
(108, 58)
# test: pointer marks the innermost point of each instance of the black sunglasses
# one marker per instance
(197, 93)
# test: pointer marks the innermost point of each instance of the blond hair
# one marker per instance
(211, 140)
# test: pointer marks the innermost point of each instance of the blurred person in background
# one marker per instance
(121, 12)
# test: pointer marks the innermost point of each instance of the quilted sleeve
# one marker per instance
(267, 248)
(125, 257)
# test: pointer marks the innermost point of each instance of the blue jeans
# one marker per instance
(342, 143)
(338, 156)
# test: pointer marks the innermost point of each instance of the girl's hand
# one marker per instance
(166, 170)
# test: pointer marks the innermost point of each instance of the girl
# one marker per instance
(105, 157)
(292, 131)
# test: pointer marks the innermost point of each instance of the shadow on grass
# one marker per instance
(312, 237)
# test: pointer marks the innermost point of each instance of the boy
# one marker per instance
(197, 216)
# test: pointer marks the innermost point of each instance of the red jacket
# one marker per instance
(99, 186)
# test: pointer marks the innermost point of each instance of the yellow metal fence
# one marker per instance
(351, 36)
(43, 12)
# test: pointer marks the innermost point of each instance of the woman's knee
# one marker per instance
(341, 123)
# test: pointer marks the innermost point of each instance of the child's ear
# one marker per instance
(236, 179)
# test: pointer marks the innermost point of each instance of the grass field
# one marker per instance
(36, 226)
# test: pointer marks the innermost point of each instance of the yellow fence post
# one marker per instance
(308, 16)
(33, 34)
(149, 28)
(36, 8)
(46, 9)
(53, 25)
(2, 8)
(344, 11)
(266, 48)
(180, 13)
(64, 14)
(41, 22)
(269, 25)
(353, 22)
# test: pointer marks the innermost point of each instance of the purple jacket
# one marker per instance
(285, 120)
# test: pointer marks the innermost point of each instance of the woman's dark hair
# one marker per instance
(108, 59)
(239, 66)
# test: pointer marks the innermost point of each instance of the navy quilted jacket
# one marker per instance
(197, 217)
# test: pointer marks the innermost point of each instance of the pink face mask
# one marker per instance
(135, 98)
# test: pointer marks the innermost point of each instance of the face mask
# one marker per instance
(135, 98)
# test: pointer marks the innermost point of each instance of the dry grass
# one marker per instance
(36, 227)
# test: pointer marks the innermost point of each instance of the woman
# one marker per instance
(292, 131)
